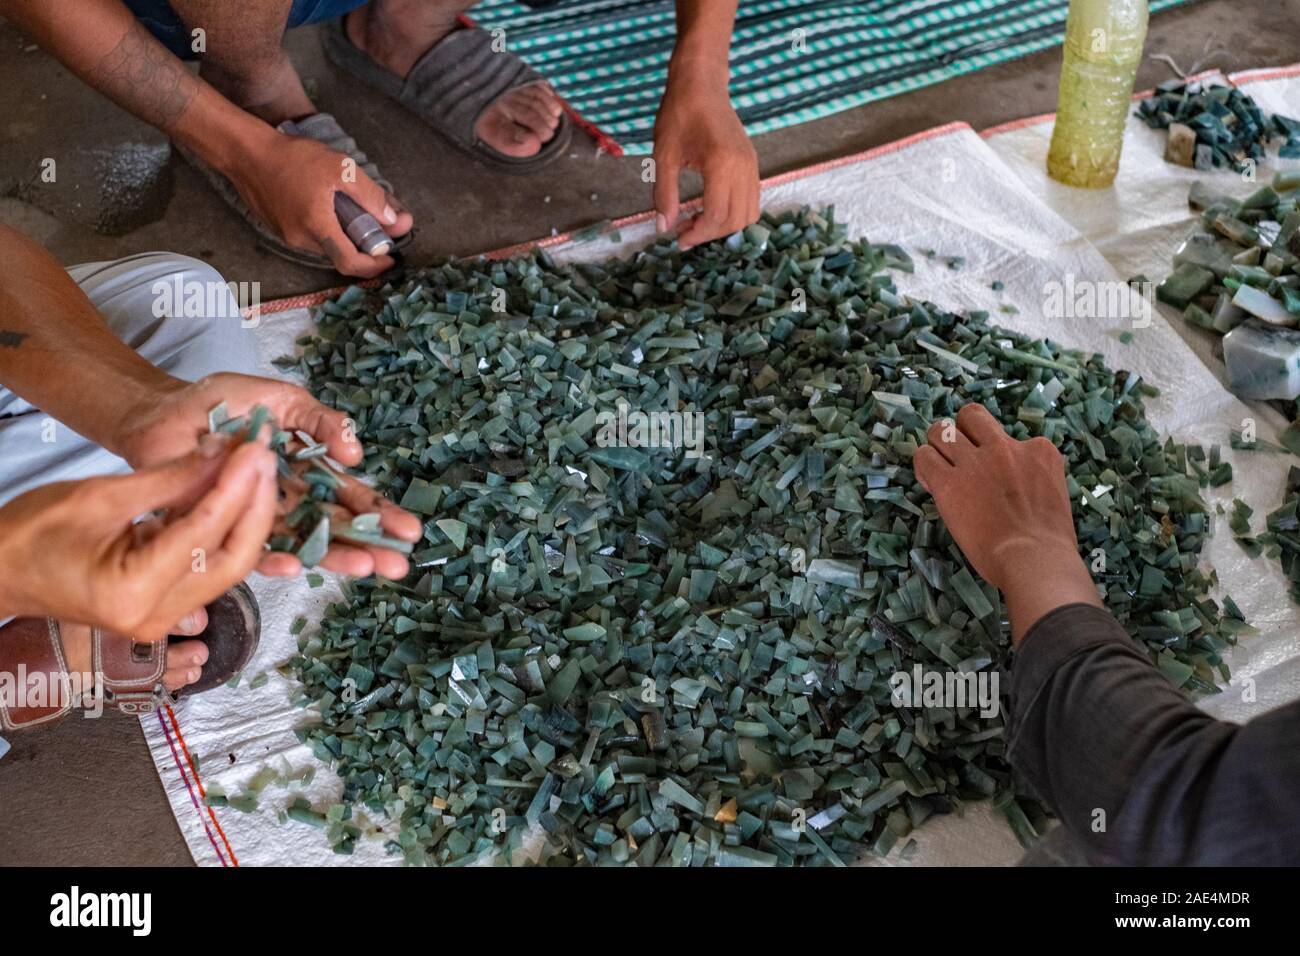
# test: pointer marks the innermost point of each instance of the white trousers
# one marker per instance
(35, 451)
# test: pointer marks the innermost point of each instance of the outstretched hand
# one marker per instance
(179, 419)
(698, 129)
(1006, 505)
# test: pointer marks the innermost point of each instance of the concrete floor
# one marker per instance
(85, 792)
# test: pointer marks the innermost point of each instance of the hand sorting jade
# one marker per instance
(1006, 505)
(73, 549)
(183, 416)
(698, 129)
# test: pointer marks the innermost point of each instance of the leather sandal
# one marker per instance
(36, 688)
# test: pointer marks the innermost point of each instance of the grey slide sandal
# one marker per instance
(323, 128)
(450, 86)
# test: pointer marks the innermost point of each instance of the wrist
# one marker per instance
(110, 405)
(1037, 577)
(700, 68)
(1017, 557)
(227, 138)
(147, 403)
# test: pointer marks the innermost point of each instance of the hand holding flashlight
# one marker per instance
(362, 228)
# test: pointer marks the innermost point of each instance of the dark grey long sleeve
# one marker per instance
(1136, 773)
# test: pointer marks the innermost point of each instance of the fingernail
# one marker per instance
(195, 660)
(213, 444)
(192, 674)
(661, 222)
(390, 216)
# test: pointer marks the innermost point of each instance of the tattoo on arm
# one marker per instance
(11, 340)
(144, 77)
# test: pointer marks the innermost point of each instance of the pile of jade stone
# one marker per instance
(1216, 126)
(1282, 539)
(617, 654)
(1239, 275)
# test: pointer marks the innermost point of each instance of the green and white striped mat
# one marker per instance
(608, 58)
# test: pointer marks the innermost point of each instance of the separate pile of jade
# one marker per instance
(1243, 261)
(1230, 129)
(1280, 539)
(618, 654)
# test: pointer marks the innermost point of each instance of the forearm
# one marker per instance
(703, 44)
(1133, 770)
(101, 42)
(57, 352)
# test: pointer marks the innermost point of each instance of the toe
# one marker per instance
(503, 134)
(185, 660)
(546, 100)
(531, 115)
(520, 122)
(192, 624)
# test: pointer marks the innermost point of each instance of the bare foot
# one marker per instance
(517, 123)
(521, 121)
(185, 659)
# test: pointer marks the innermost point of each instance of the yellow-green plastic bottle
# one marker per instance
(1103, 46)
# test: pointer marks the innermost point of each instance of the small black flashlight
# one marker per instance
(362, 228)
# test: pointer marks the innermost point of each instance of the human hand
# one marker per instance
(290, 182)
(1006, 505)
(176, 421)
(73, 549)
(698, 129)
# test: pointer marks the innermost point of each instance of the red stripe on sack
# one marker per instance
(180, 767)
(195, 770)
